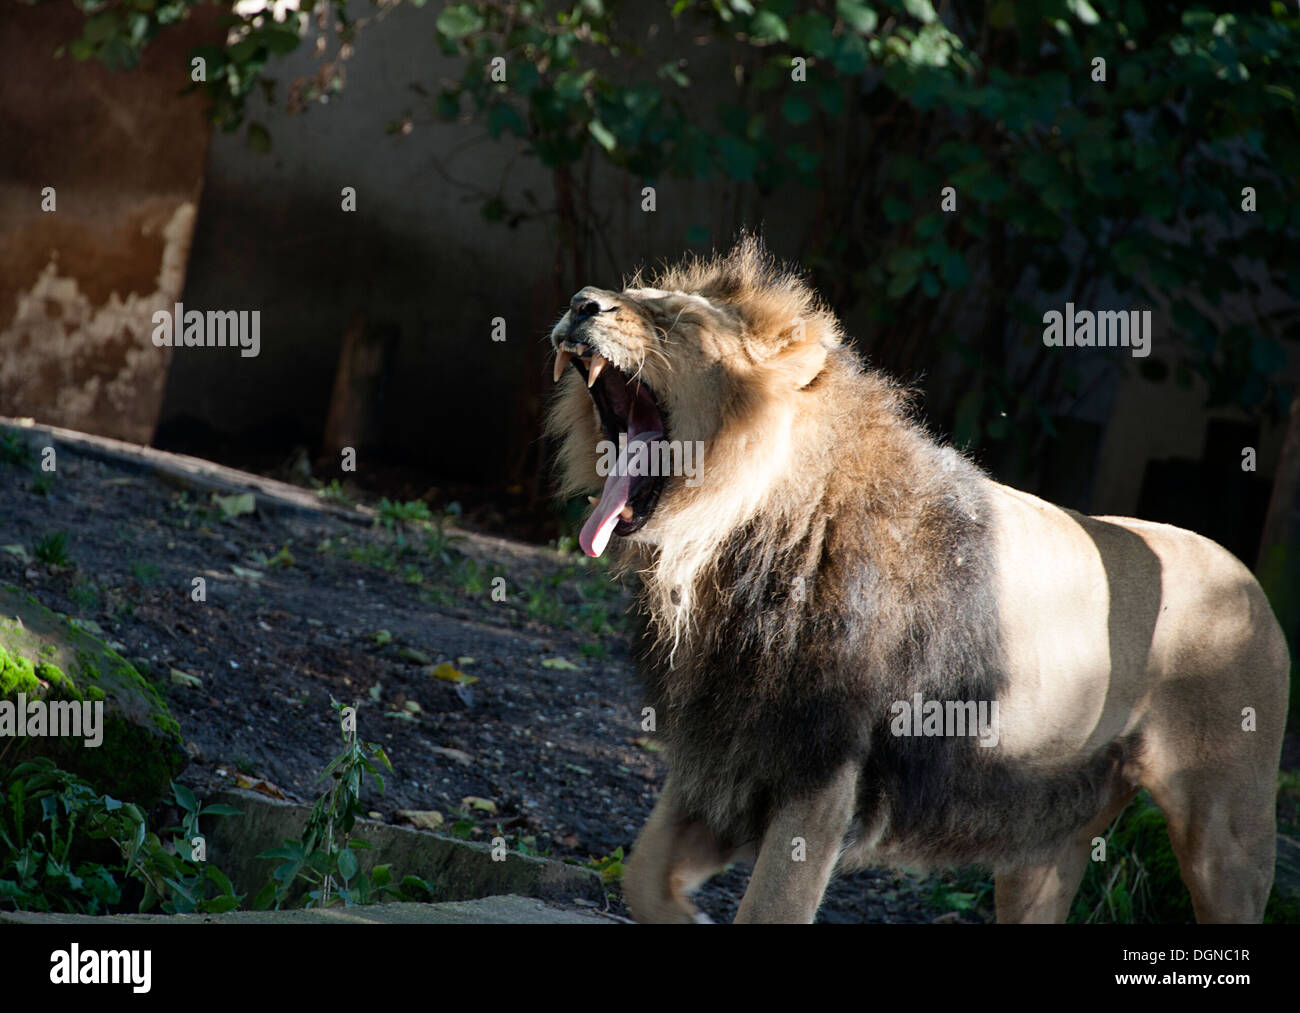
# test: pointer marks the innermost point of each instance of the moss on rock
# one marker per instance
(43, 655)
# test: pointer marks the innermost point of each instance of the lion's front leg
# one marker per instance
(671, 858)
(800, 849)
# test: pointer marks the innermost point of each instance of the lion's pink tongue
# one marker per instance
(596, 532)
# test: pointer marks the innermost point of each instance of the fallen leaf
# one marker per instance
(481, 804)
(183, 678)
(462, 661)
(411, 654)
(412, 706)
(258, 784)
(16, 550)
(449, 672)
(560, 663)
(381, 637)
(235, 506)
(649, 745)
(424, 819)
(463, 758)
(245, 572)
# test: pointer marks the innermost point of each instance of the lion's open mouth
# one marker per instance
(630, 415)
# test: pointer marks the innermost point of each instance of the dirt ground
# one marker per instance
(300, 609)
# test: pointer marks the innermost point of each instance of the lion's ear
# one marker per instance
(799, 362)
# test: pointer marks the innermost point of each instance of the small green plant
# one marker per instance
(145, 574)
(85, 595)
(53, 549)
(334, 493)
(14, 451)
(280, 560)
(968, 890)
(414, 513)
(325, 859)
(42, 484)
(610, 867)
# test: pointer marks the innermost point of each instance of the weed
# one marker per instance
(53, 549)
(324, 858)
(85, 595)
(14, 451)
(145, 574)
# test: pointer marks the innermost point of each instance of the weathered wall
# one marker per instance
(78, 285)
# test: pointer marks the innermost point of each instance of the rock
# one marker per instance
(457, 870)
(43, 656)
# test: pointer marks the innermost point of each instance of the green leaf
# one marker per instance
(348, 866)
(812, 33)
(1083, 10)
(769, 26)
(185, 798)
(220, 809)
(796, 110)
(857, 16)
(505, 117)
(739, 158)
(922, 10)
(602, 135)
(459, 20)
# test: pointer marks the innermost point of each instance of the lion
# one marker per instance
(819, 610)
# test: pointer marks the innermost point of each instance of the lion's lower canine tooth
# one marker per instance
(598, 363)
(626, 513)
(561, 360)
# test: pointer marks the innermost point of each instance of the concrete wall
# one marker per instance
(79, 284)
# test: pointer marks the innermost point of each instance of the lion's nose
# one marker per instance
(590, 301)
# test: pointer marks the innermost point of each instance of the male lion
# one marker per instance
(834, 566)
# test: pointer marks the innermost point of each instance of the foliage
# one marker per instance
(14, 451)
(394, 513)
(610, 867)
(53, 549)
(325, 857)
(50, 824)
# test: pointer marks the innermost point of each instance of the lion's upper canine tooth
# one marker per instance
(598, 362)
(593, 500)
(561, 360)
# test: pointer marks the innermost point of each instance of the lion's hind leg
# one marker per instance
(672, 857)
(1224, 834)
